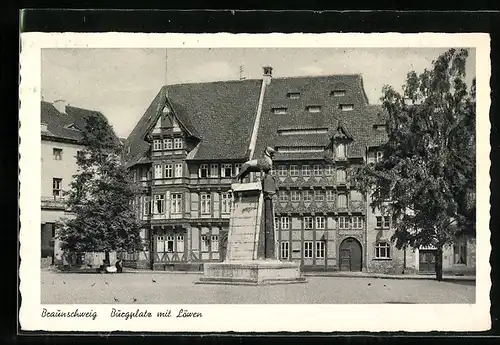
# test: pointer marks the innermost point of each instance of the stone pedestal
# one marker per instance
(244, 264)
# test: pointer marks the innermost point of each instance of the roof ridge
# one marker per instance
(273, 78)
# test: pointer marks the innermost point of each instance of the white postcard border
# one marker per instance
(219, 318)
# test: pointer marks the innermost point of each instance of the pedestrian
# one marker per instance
(118, 265)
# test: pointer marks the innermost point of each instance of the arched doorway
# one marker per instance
(350, 255)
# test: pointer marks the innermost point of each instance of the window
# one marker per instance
(293, 95)
(276, 223)
(340, 150)
(214, 170)
(167, 144)
(319, 195)
(306, 170)
(308, 250)
(307, 195)
(313, 108)
(382, 250)
(346, 107)
(380, 156)
(178, 143)
(330, 195)
(180, 244)
(178, 170)
(159, 204)
(299, 131)
(205, 203)
(294, 170)
(379, 221)
(460, 254)
(203, 172)
(170, 244)
(237, 168)
(383, 222)
(226, 170)
(279, 110)
(342, 201)
(284, 250)
(226, 203)
(57, 153)
(285, 223)
(147, 205)
(282, 170)
(160, 244)
(158, 171)
(338, 93)
(214, 243)
(273, 172)
(176, 206)
(57, 187)
(168, 171)
(356, 195)
(317, 171)
(320, 250)
(283, 196)
(341, 176)
(380, 128)
(294, 195)
(303, 149)
(308, 222)
(156, 145)
(204, 243)
(328, 170)
(144, 174)
(320, 222)
(357, 222)
(343, 222)
(80, 154)
(387, 222)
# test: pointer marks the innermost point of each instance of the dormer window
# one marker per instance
(338, 93)
(313, 108)
(346, 107)
(293, 95)
(72, 127)
(340, 150)
(279, 111)
(379, 127)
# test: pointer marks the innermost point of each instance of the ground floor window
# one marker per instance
(460, 254)
(180, 244)
(382, 250)
(205, 244)
(170, 244)
(308, 250)
(320, 250)
(214, 242)
(284, 249)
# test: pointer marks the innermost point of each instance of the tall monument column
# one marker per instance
(267, 247)
(251, 247)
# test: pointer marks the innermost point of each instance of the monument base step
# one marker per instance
(251, 272)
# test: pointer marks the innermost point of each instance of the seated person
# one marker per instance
(118, 265)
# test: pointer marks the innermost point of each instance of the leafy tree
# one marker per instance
(426, 179)
(100, 197)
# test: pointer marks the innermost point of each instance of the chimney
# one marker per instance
(268, 74)
(44, 127)
(60, 105)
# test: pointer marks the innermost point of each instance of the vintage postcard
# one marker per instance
(244, 182)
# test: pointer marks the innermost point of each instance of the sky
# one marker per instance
(121, 83)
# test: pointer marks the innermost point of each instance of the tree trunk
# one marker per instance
(439, 263)
(106, 258)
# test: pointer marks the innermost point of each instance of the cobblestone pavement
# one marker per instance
(150, 288)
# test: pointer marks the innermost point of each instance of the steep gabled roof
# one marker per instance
(221, 114)
(67, 126)
(315, 91)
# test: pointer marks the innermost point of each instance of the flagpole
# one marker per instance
(166, 72)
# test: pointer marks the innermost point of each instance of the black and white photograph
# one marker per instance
(176, 179)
